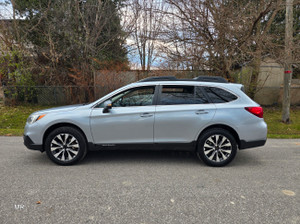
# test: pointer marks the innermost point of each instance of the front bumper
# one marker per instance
(30, 144)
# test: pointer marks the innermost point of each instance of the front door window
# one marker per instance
(142, 96)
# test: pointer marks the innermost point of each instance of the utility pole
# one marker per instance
(288, 62)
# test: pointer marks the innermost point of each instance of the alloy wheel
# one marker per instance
(217, 148)
(64, 147)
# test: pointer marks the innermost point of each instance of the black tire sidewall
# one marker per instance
(69, 130)
(205, 136)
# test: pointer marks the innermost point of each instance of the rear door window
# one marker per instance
(173, 95)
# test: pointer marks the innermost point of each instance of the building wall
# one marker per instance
(270, 85)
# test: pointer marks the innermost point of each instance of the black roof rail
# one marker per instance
(159, 78)
(211, 79)
(197, 79)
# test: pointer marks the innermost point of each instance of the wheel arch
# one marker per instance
(225, 127)
(58, 125)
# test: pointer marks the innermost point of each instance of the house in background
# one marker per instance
(270, 83)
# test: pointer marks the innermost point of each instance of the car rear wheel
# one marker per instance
(65, 146)
(216, 147)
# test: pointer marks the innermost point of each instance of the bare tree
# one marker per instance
(147, 25)
(220, 35)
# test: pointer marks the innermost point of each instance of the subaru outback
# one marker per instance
(205, 115)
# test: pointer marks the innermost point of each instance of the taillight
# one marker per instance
(257, 111)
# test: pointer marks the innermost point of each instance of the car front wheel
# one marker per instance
(65, 146)
(216, 147)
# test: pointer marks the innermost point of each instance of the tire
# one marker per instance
(216, 147)
(66, 146)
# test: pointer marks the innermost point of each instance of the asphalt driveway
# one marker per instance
(261, 185)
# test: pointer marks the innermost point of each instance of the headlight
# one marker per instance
(33, 118)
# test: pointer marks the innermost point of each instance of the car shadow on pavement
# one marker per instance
(243, 158)
(159, 157)
(135, 156)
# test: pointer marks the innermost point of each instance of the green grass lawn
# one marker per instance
(12, 121)
(277, 129)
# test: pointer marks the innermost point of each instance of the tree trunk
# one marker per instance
(288, 62)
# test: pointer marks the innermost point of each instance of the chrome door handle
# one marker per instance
(146, 115)
(201, 112)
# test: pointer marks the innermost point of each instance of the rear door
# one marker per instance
(181, 112)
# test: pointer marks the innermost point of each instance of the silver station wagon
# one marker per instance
(205, 115)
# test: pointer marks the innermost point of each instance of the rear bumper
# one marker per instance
(252, 144)
(30, 144)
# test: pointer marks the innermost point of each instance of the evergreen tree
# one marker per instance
(71, 38)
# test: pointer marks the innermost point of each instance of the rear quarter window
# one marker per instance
(218, 95)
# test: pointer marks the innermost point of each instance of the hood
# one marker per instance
(59, 109)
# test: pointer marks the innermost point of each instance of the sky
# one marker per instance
(5, 11)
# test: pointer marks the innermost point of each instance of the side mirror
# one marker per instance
(107, 106)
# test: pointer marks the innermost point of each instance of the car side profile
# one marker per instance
(205, 115)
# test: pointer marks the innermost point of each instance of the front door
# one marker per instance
(130, 120)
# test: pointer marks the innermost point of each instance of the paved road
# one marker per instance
(261, 186)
